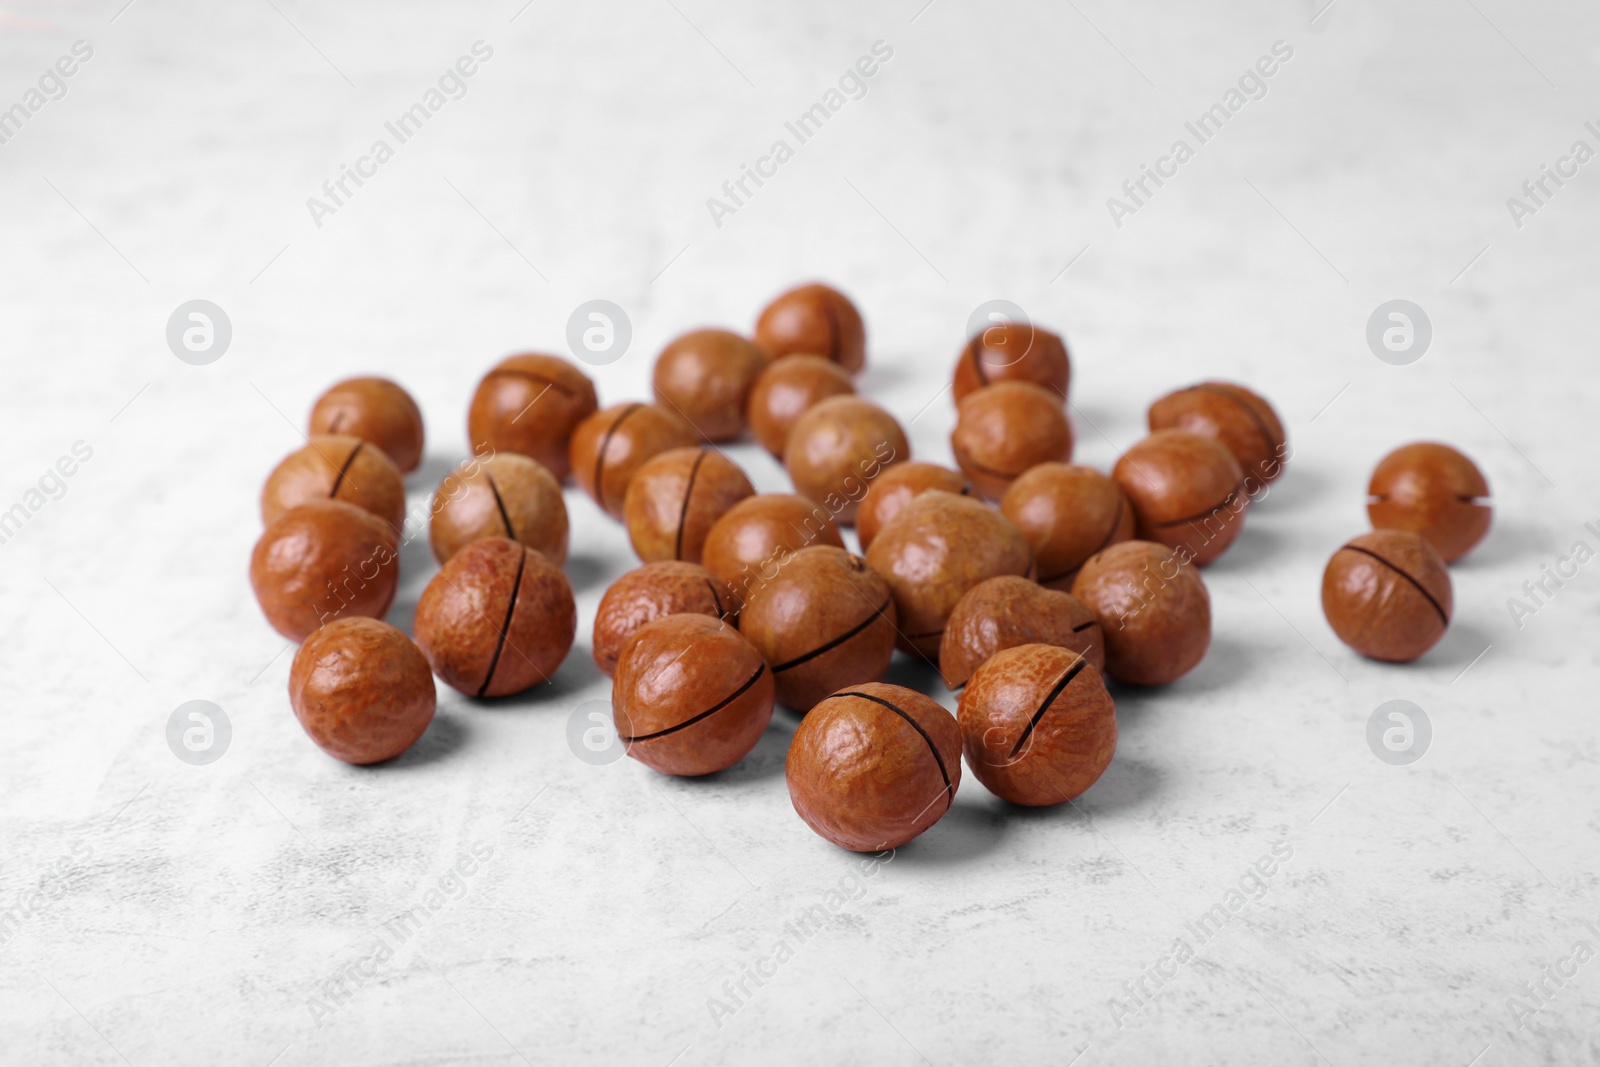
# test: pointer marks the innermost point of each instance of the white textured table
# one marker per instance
(275, 906)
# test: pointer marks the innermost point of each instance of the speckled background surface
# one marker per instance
(244, 911)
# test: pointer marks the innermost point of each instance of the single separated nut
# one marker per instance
(361, 690)
(1387, 595)
(1037, 725)
(691, 696)
(873, 766)
(1432, 490)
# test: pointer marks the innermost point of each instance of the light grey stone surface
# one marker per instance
(183, 914)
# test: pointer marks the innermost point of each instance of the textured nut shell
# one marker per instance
(896, 487)
(1067, 513)
(706, 376)
(1432, 490)
(691, 696)
(610, 446)
(814, 320)
(838, 447)
(530, 404)
(786, 390)
(1037, 725)
(1187, 492)
(1154, 611)
(336, 467)
(939, 546)
(652, 592)
(873, 766)
(1241, 420)
(508, 495)
(1008, 611)
(1013, 352)
(314, 563)
(759, 533)
(376, 410)
(1387, 594)
(361, 690)
(1004, 430)
(675, 498)
(825, 622)
(497, 619)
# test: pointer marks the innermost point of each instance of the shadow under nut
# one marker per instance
(497, 619)
(1037, 724)
(873, 766)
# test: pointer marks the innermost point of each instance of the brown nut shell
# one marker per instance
(508, 495)
(676, 497)
(896, 487)
(873, 766)
(1006, 429)
(1387, 594)
(1239, 418)
(497, 619)
(706, 377)
(939, 546)
(838, 447)
(691, 695)
(1014, 351)
(1068, 513)
(1037, 725)
(653, 592)
(336, 467)
(1009, 611)
(1432, 490)
(530, 404)
(361, 690)
(321, 561)
(1154, 611)
(748, 545)
(610, 446)
(787, 389)
(814, 320)
(1187, 492)
(825, 622)
(376, 410)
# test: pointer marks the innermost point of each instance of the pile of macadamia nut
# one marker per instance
(1024, 578)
